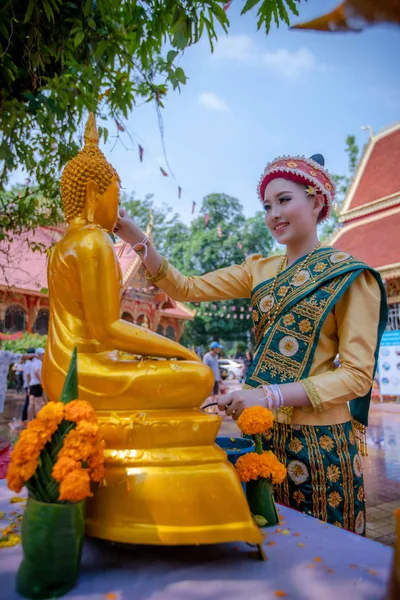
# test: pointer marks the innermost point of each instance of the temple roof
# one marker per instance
(374, 239)
(377, 178)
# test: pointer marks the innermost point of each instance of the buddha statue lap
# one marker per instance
(166, 482)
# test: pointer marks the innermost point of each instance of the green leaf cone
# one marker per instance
(70, 389)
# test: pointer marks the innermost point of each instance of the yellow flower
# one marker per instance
(295, 445)
(333, 473)
(288, 320)
(334, 499)
(255, 316)
(64, 466)
(305, 326)
(75, 487)
(299, 497)
(326, 443)
(52, 412)
(251, 466)
(256, 419)
(80, 410)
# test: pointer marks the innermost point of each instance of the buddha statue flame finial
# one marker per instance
(91, 135)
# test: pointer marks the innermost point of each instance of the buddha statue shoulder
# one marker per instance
(85, 288)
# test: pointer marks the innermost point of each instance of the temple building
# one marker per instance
(24, 304)
(371, 214)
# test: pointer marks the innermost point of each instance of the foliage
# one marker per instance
(28, 340)
(342, 183)
(60, 59)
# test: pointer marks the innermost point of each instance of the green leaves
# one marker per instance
(70, 389)
(79, 37)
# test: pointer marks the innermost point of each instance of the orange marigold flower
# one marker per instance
(14, 479)
(52, 412)
(75, 487)
(87, 429)
(96, 463)
(252, 466)
(64, 466)
(27, 470)
(80, 410)
(255, 419)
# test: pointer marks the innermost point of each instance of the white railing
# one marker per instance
(394, 317)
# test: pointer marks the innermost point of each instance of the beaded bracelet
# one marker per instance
(142, 247)
(273, 397)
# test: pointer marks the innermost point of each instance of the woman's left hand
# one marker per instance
(235, 402)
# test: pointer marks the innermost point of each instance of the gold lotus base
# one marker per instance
(180, 490)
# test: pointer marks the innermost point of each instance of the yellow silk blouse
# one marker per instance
(350, 329)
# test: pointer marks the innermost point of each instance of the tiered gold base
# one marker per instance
(169, 484)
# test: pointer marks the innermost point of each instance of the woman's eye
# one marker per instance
(285, 199)
(266, 207)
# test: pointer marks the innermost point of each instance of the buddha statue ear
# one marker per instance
(92, 191)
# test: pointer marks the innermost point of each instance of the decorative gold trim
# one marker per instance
(312, 394)
(161, 273)
(364, 221)
(360, 433)
(370, 207)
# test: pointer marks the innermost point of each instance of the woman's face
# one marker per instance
(291, 214)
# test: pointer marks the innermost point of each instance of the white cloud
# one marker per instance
(292, 65)
(235, 47)
(212, 102)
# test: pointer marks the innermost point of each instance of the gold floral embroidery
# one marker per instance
(283, 290)
(338, 257)
(298, 497)
(312, 394)
(255, 316)
(268, 435)
(334, 499)
(288, 320)
(360, 494)
(326, 443)
(313, 173)
(295, 446)
(297, 471)
(360, 523)
(161, 273)
(320, 267)
(357, 465)
(292, 165)
(352, 438)
(288, 346)
(338, 524)
(305, 326)
(266, 303)
(301, 278)
(333, 473)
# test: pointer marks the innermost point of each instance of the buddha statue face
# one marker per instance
(90, 185)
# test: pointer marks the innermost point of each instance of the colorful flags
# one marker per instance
(141, 150)
(193, 206)
(206, 219)
(227, 5)
(164, 173)
(219, 231)
(179, 191)
(240, 246)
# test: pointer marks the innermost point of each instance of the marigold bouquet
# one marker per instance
(60, 452)
(261, 469)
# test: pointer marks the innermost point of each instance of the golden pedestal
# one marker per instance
(166, 482)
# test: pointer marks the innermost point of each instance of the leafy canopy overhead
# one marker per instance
(59, 59)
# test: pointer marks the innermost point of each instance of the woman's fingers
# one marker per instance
(224, 401)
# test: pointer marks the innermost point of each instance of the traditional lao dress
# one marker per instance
(334, 304)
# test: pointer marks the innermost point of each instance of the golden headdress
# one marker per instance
(89, 165)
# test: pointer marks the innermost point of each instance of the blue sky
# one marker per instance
(258, 97)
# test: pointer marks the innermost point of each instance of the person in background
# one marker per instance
(7, 358)
(248, 361)
(211, 360)
(26, 363)
(35, 384)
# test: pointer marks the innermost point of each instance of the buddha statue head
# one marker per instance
(90, 185)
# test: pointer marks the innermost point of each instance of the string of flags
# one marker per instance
(224, 312)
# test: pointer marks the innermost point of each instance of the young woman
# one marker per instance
(308, 305)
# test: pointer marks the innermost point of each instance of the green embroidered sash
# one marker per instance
(285, 349)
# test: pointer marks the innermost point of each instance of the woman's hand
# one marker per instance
(126, 229)
(235, 402)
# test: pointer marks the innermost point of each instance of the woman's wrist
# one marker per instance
(135, 235)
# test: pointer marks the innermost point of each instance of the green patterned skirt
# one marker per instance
(325, 472)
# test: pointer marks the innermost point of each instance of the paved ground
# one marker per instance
(382, 466)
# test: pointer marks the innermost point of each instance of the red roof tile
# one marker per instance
(376, 242)
(381, 175)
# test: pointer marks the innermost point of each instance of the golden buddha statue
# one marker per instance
(166, 482)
